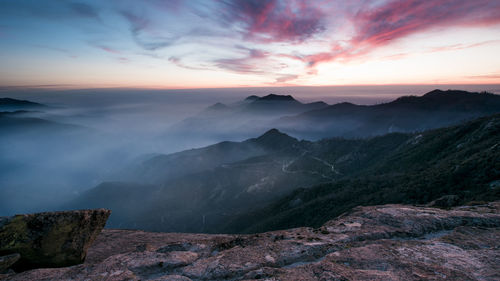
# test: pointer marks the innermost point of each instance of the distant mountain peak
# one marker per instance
(344, 104)
(274, 97)
(272, 132)
(439, 97)
(319, 103)
(252, 98)
(11, 101)
(217, 106)
(441, 93)
(434, 92)
(275, 139)
(277, 104)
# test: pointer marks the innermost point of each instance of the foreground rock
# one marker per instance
(390, 242)
(7, 261)
(51, 239)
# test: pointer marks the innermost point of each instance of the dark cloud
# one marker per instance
(274, 20)
(52, 10)
(169, 5)
(84, 10)
(139, 26)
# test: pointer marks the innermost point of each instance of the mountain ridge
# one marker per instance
(235, 195)
(243, 118)
(275, 97)
(406, 114)
(11, 101)
(459, 160)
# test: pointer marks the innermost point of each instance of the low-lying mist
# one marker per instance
(82, 138)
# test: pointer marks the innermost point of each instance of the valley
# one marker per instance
(294, 183)
(272, 181)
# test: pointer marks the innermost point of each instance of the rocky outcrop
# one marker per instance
(7, 261)
(389, 242)
(51, 239)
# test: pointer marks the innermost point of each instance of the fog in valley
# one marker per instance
(76, 140)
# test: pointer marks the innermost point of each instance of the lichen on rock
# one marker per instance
(51, 239)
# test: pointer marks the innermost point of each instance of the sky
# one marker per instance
(176, 44)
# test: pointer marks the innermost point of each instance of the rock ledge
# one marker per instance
(389, 242)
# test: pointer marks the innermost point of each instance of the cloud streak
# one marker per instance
(140, 26)
(108, 49)
(250, 63)
(178, 62)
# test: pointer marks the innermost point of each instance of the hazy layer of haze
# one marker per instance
(40, 170)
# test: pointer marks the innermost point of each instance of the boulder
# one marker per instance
(50, 239)
(7, 261)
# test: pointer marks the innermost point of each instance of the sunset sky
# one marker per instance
(239, 43)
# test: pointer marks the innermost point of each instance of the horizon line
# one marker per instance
(65, 87)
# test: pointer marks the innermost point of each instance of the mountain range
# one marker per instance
(243, 118)
(9, 104)
(406, 114)
(318, 120)
(309, 162)
(276, 181)
(459, 162)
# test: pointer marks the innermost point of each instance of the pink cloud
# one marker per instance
(286, 78)
(108, 49)
(398, 19)
(367, 25)
(461, 46)
(394, 20)
(274, 20)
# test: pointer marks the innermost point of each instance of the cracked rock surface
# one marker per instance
(388, 242)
